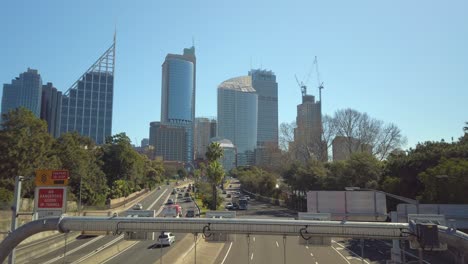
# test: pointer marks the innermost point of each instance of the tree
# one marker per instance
(122, 162)
(363, 170)
(80, 156)
(446, 182)
(25, 147)
(363, 133)
(215, 170)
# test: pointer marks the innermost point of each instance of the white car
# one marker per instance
(165, 239)
(229, 206)
(138, 206)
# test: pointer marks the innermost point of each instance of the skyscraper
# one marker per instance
(178, 95)
(24, 91)
(87, 105)
(264, 83)
(237, 117)
(308, 134)
(51, 108)
(169, 141)
(205, 129)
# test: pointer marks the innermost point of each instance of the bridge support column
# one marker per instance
(395, 252)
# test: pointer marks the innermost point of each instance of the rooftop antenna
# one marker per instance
(320, 84)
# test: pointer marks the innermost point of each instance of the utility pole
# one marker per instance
(14, 212)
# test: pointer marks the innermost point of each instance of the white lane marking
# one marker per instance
(311, 254)
(99, 249)
(341, 255)
(227, 253)
(316, 262)
(136, 242)
(75, 249)
(251, 257)
(350, 251)
(277, 245)
(380, 251)
(119, 237)
(254, 239)
(155, 201)
(306, 246)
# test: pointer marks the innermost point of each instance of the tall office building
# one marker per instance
(264, 83)
(144, 142)
(169, 141)
(237, 117)
(51, 108)
(308, 134)
(205, 129)
(178, 95)
(87, 105)
(24, 91)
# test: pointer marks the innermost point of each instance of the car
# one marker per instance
(159, 187)
(247, 197)
(235, 206)
(165, 239)
(188, 199)
(224, 192)
(170, 201)
(229, 206)
(174, 191)
(190, 213)
(138, 206)
(187, 194)
(180, 195)
(228, 195)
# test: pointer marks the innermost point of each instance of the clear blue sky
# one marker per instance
(400, 61)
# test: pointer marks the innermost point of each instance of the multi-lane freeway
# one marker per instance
(242, 248)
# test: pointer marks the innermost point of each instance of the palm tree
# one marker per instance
(214, 152)
(215, 170)
(215, 176)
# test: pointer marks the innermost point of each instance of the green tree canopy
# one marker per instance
(25, 147)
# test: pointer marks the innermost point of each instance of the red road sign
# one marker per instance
(50, 198)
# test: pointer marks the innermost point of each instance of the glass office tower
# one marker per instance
(237, 117)
(24, 91)
(178, 96)
(51, 108)
(264, 83)
(87, 105)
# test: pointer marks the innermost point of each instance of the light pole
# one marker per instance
(14, 212)
(79, 207)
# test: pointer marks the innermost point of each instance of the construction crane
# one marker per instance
(302, 86)
(320, 84)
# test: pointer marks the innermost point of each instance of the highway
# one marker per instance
(82, 248)
(243, 249)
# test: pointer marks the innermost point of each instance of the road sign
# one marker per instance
(52, 177)
(50, 201)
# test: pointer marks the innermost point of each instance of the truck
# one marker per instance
(174, 210)
(243, 204)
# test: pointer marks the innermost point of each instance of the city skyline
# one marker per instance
(394, 70)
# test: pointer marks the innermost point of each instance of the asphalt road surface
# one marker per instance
(85, 247)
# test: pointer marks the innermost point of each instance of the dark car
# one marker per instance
(187, 194)
(228, 195)
(190, 213)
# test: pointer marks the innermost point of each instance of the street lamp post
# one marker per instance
(79, 206)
